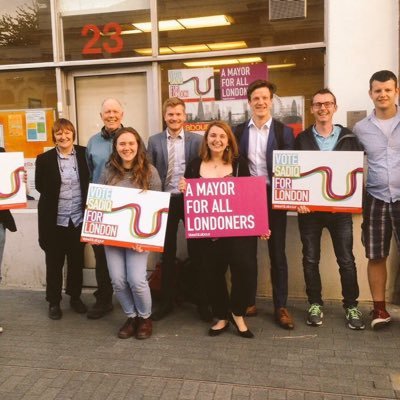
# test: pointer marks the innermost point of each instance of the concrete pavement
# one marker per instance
(77, 358)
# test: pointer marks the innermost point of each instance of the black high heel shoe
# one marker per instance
(248, 334)
(216, 332)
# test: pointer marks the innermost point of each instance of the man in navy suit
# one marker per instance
(170, 151)
(257, 138)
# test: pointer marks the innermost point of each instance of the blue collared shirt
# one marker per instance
(70, 199)
(327, 143)
(383, 155)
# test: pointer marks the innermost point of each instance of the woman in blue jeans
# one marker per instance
(129, 167)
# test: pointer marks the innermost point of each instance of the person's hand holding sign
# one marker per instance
(303, 210)
(182, 185)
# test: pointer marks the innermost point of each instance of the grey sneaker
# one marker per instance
(354, 318)
(315, 315)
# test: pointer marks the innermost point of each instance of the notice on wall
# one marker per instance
(321, 180)
(192, 84)
(36, 126)
(119, 216)
(12, 187)
(235, 80)
(226, 207)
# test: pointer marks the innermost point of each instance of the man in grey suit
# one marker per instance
(170, 151)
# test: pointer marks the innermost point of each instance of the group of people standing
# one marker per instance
(117, 156)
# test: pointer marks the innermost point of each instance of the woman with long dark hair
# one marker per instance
(128, 167)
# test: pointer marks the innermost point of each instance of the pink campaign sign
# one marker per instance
(224, 207)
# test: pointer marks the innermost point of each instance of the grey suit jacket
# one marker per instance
(157, 151)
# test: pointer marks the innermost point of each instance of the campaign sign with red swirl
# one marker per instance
(119, 216)
(12, 187)
(321, 180)
(226, 207)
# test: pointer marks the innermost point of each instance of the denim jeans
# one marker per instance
(128, 275)
(2, 243)
(340, 227)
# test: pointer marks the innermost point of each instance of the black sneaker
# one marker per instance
(99, 310)
(315, 315)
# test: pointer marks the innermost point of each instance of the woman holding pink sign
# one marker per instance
(128, 167)
(219, 158)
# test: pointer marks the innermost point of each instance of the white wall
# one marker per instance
(362, 37)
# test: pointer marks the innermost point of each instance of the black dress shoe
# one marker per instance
(99, 310)
(216, 332)
(247, 334)
(55, 311)
(78, 306)
(162, 312)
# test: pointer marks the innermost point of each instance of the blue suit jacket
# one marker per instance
(242, 137)
(157, 151)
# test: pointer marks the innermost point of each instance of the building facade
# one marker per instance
(61, 58)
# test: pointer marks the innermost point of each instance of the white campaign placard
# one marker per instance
(321, 180)
(12, 187)
(119, 216)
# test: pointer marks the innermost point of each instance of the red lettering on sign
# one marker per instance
(113, 44)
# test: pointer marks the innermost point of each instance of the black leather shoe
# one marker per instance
(55, 311)
(216, 332)
(99, 310)
(78, 306)
(162, 312)
(247, 334)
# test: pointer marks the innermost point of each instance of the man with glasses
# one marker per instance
(379, 133)
(326, 136)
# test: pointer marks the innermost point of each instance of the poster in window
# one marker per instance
(36, 126)
(192, 84)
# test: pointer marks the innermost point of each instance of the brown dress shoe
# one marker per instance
(283, 318)
(251, 311)
(144, 329)
(128, 329)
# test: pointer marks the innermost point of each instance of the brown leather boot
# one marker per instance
(128, 329)
(144, 329)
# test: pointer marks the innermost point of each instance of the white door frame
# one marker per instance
(154, 118)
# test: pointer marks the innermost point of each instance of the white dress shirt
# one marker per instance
(257, 155)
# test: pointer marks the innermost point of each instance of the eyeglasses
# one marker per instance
(327, 104)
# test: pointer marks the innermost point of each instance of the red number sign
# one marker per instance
(113, 41)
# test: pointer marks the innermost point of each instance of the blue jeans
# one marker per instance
(2, 243)
(128, 275)
(340, 227)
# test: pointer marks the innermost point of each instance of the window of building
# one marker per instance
(27, 111)
(187, 27)
(25, 31)
(104, 29)
(215, 88)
